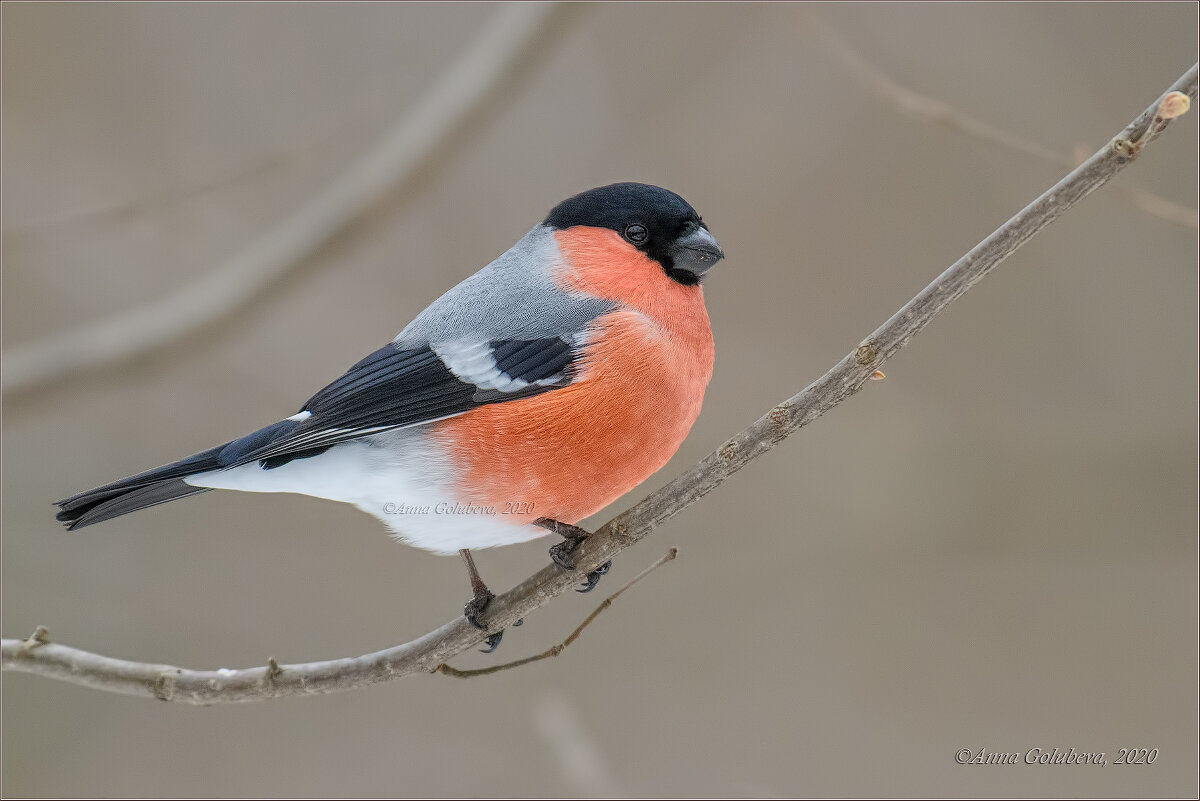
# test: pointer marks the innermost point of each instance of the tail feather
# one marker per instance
(167, 483)
(150, 488)
(129, 501)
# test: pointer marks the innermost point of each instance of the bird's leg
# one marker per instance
(483, 596)
(563, 553)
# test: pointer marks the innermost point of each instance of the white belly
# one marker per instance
(398, 477)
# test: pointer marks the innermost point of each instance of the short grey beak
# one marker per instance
(696, 252)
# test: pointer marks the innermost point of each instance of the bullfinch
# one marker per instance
(528, 397)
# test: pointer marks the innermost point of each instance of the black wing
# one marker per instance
(395, 387)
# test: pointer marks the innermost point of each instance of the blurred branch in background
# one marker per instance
(579, 757)
(423, 655)
(936, 112)
(287, 154)
(415, 138)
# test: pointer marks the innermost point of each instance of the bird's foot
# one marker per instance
(563, 554)
(593, 578)
(475, 607)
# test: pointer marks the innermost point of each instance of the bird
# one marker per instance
(526, 398)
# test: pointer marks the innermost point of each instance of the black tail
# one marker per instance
(166, 483)
(151, 488)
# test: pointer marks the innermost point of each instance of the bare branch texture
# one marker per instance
(407, 145)
(39, 655)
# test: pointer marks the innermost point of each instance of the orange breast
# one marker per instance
(570, 452)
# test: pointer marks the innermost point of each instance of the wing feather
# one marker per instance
(399, 386)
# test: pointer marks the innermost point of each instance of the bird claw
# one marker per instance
(493, 642)
(593, 578)
(475, 607)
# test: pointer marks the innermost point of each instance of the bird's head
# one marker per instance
(658, 223)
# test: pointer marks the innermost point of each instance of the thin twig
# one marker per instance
(424, 654)
(937, 112)
(454, 101)
(555, 650)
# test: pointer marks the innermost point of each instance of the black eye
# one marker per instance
(636, 233)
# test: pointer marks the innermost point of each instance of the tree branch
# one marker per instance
(169, 683)
(453, 101)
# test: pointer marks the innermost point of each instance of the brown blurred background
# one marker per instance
(993, 548)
